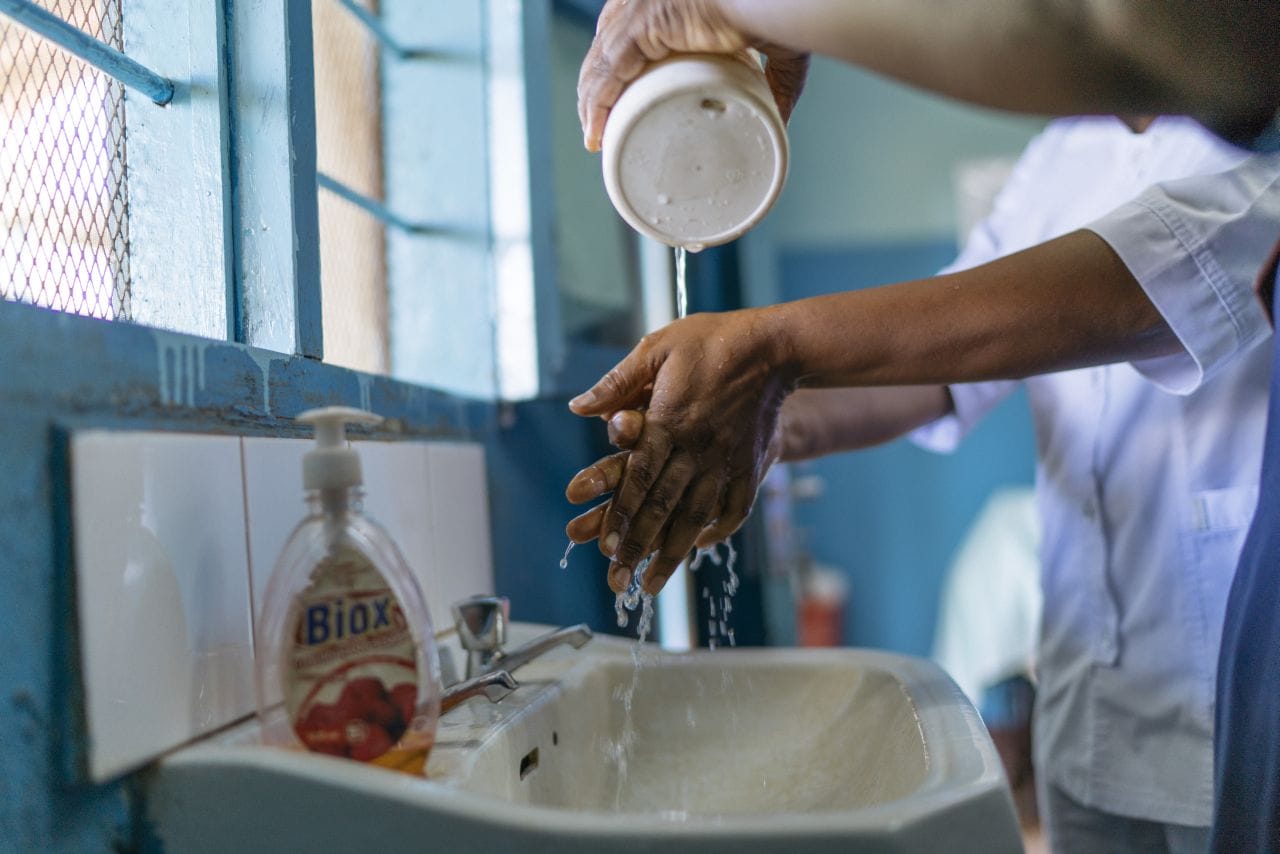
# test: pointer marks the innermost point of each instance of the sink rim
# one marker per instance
(961, 766)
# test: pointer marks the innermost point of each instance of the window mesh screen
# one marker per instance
(64, 236)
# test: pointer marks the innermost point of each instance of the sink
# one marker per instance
(732, 750)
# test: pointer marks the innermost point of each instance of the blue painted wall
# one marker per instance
(533, 449)
(891, 517)
(61, 373)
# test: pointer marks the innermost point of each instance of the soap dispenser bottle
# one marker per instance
(346, 661)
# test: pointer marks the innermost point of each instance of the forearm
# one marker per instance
(1213, 61)
(1064, 304)
(816, 422)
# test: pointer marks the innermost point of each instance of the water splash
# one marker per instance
(564, 561)
(719, 606)
(621, 749)
(630, 598)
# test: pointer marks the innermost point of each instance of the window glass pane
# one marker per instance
(64, 236)
(349, 150)
(597, 252)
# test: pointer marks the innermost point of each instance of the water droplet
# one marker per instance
(664, 199)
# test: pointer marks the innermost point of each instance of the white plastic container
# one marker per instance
(346, 658)
(695, 151)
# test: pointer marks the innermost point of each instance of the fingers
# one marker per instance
(786, 72)
(585, 528)
(633, 33)
(739, 496)
(644, 465)
(596, 479)
(641, 535)
(614, 60)
(625, 428)
(693, 514)
(619, 577)
(622, 388)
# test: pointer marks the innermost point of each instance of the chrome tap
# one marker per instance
(493, 686)
(482, 630)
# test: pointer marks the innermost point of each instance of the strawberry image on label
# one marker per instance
(352, 680)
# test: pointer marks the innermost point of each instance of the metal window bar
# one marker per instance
(100, 55)
(373, 24)
(373, 207)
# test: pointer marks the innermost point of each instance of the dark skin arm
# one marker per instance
(1215, 62)
(713, 385)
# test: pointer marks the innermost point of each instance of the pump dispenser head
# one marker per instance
(332, 463)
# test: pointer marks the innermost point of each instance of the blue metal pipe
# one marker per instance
(101, 56)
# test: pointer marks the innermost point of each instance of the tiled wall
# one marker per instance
(175, 538)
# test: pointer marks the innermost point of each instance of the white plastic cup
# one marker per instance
(695, 151)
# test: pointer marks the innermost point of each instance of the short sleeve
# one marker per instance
(972, 402)
(1195, 246)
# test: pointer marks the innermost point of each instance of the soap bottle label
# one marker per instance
(351, 676)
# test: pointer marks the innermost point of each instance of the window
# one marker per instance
(353, 274)
(393, 186)
(64, 197)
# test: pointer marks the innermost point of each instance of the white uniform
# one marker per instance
(1147, 472)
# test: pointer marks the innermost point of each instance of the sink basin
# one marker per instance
(715, 734)
(742, 751)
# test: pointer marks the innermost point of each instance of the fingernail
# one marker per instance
(653, 585)
(619, 577)
(585, 399)
(611, 543)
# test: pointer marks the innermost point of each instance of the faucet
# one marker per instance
(493, 686)
(482, 629)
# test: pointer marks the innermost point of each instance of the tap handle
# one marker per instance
(482, 622)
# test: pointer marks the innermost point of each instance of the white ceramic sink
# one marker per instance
(742, 751)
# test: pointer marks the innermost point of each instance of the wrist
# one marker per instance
(782, 347)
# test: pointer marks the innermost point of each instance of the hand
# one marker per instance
(708, 437)
(602, 476)
(605, 474)
(632, 33)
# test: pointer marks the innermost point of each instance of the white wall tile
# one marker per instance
(274, 501)
(398, 497)
(162, 591)
(460, 507)
(431, 497)
(176, 539)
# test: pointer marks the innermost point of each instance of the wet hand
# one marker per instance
(717, 384)
(602, 476)
(632, 33)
